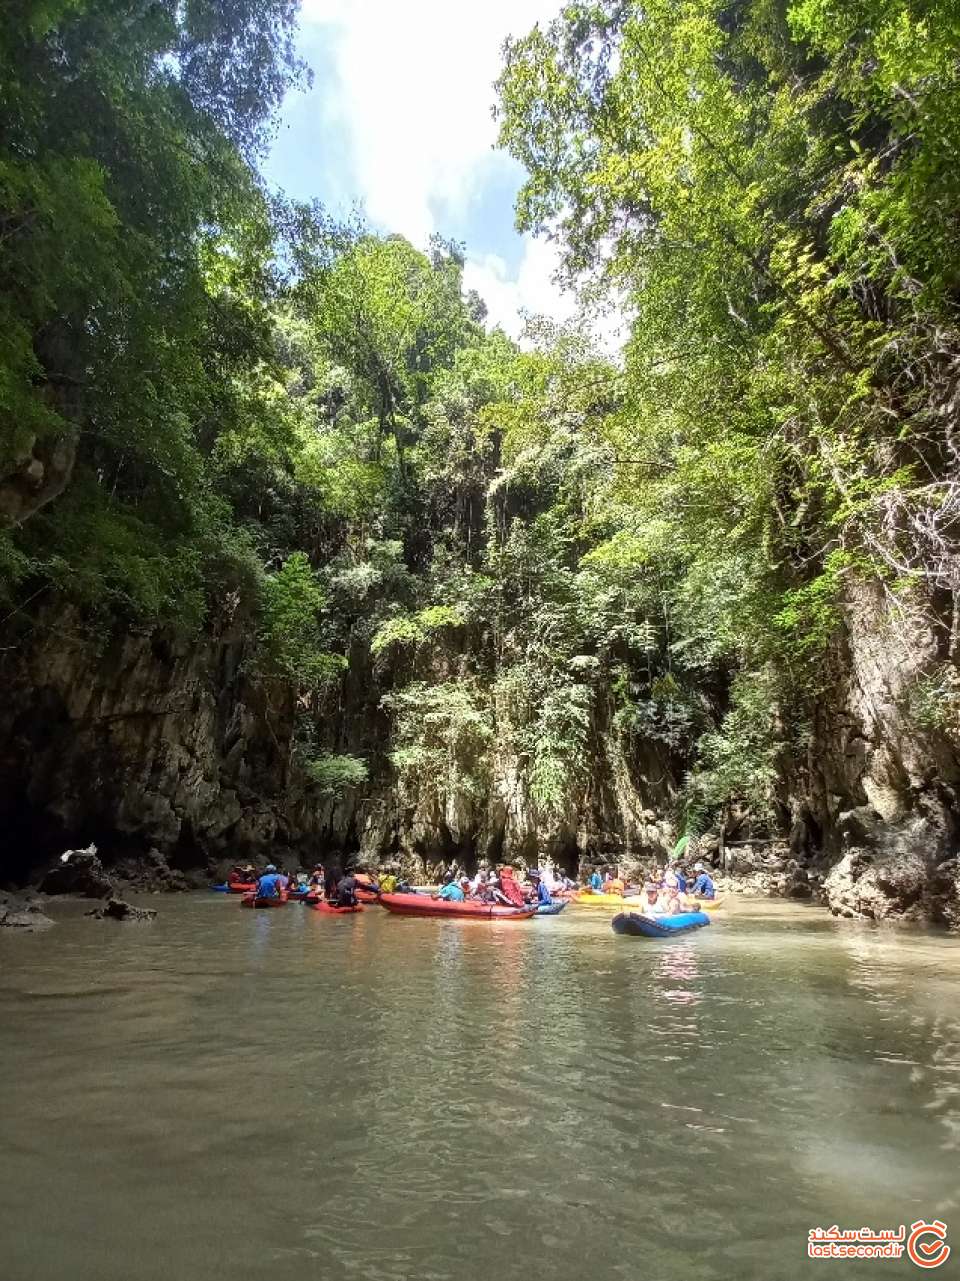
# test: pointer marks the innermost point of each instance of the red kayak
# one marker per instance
(421, 905)
(251, 900)
(366, 896)
(331, 909)
(241, 887)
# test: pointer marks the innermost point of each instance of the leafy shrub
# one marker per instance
(336, 774)
(290, 630)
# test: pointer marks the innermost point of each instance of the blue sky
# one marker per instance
(398, 121)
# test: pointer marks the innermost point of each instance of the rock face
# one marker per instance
(140, 742)
(151, 873)
(881, 782)
(35, 475)
(78, 872)
(175, 756)
(768, 871)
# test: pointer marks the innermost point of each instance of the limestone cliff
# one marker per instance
(876, 797)
(139, 740)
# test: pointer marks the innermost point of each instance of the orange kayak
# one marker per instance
(421, 905)
(331, 909)
(241, 887)
(251, 900)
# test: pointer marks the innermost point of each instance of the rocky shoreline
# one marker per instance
(869, 884)
(895, 884)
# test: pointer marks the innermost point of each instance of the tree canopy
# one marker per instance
(218, 406)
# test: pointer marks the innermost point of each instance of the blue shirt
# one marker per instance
(543, 894)
(452, 893)
(595, 882)
(703, 887)
(269, 886)
(681, 882)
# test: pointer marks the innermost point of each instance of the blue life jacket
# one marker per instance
(269, 886)
(703, 887)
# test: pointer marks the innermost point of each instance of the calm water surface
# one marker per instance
(282, 1096)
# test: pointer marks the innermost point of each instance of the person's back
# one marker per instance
(703, 886)
(510, 889)
(347, 891)
(596, 883)
(388, 883)
(270, 885)
(543, 893)
(451, 893)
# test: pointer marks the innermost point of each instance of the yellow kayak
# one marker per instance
(607, 900)
(707, 904)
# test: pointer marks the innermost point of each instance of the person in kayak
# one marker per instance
(270, 884)
(509, 887)
(346, 891)
(237, 876)
(596, 882)
(332, 876)
(652, 902)
(450, 891)
(388, 882)
(483, 889)
(540, 888)
(703, 886)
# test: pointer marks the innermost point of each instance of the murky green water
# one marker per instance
(286, 1095)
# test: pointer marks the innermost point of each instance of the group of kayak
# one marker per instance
(667, 901)
(325, 889)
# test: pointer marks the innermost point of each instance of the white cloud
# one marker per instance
(531, 290)
(414, 95)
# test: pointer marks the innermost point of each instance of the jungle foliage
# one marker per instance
(219, 409)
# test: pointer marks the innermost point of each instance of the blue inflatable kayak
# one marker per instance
(221, 889)
(658, 927)
(554, 908)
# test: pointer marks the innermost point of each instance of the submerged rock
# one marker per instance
(20, 912)
(119, 910)
(78, 872)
